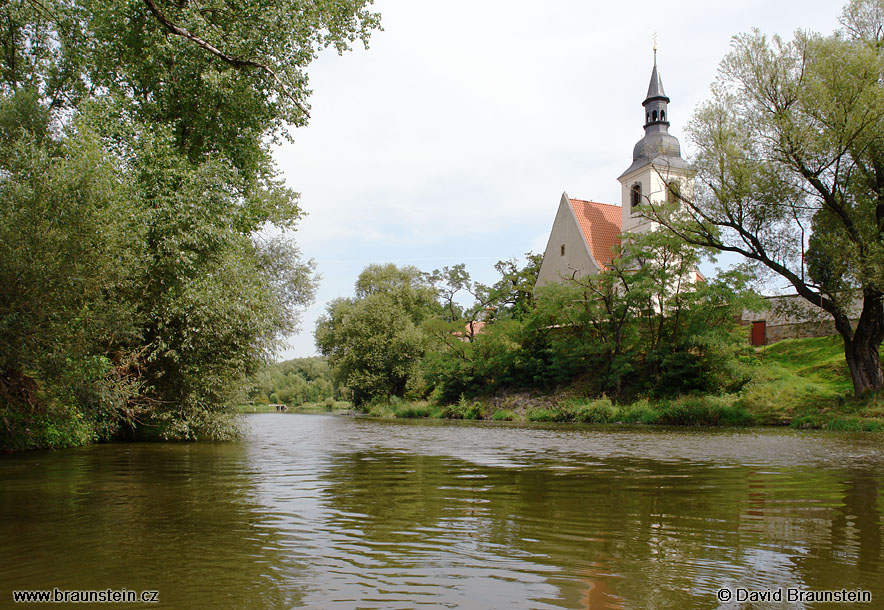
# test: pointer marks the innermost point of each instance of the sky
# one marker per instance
(452, 137)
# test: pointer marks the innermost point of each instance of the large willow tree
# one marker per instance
(790, 172)
(145, 264)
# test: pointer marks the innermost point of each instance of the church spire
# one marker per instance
(657, 142)
(656, 103)
(655, 88)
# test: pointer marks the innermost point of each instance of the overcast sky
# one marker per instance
(452, 138)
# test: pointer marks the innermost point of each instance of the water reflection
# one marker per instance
(323, 512)
(631, 532)
(174, 518)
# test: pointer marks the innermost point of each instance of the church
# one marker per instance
(585, 233)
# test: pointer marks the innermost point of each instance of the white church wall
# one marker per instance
(653, 180)
(575, 261)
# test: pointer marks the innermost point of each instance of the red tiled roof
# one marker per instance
(600, 224)
(473, 328)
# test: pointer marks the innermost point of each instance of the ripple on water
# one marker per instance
(325, 512)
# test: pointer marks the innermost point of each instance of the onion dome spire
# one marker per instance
(657, 143)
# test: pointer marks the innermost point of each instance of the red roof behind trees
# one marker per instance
(600, 225)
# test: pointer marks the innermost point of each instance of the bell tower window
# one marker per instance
(635, 196)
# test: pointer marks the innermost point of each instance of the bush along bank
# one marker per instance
(803, 383)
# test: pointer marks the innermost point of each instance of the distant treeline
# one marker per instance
(295, 382)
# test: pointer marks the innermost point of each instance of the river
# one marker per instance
(312, 511)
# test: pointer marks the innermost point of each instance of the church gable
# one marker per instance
(581, 241)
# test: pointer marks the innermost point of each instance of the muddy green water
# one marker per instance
(336, 512)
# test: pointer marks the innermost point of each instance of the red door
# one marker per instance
(758, 333)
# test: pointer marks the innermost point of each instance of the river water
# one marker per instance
(327, 512)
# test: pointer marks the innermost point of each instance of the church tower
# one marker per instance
(585, 234)
(657, 169)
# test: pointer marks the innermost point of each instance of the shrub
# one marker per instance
(703, 411)
(503, 415)
(411, 411)
(639, 412)
(463, 409)
(541, 415)
(379, 410)
(600, 410)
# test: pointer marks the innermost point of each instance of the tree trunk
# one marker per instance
(861, 349)
(865, 368)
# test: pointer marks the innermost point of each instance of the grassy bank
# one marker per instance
(802, 383)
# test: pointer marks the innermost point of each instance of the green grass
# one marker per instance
(413, 411)
(819, 361)
(586, 411)
(806, 383)
(405, 410)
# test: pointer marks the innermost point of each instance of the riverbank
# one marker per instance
(802, 383)
(328, 406)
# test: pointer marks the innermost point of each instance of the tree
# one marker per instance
(179, 103)
(511, 297)
(790, 169)
(408, 286)
(69, 251)
(374, 341)
(476, 346)
(645, 323)
(295, 382)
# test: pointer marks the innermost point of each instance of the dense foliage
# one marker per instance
(646, 326)
(296, 382)
(374, 340)
(146, 263)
